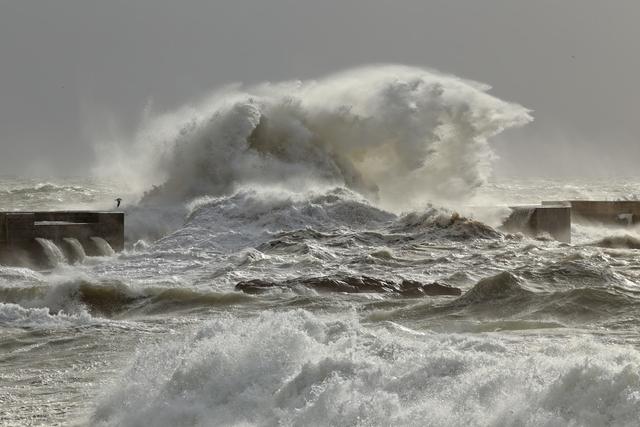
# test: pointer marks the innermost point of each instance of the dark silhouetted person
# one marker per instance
(118, 201)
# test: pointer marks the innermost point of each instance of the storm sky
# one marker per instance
(73, 72)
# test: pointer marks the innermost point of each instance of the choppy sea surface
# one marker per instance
(543, 334)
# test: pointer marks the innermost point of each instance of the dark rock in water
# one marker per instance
(348, 284)
(411, 288)
(326, 284)
(353, 285)
(414, 288)
(255, 286)
(435, 289)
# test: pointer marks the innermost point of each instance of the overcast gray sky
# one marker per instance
(71, 70)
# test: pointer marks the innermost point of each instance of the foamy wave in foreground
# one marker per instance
(80, 298)
(13, 315)
(297, 369)
(397, 134)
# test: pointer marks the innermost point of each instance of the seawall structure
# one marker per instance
(535, 220)
(618, 212)
(21, 233)
(556, 217)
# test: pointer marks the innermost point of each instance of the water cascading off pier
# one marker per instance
(38, 239)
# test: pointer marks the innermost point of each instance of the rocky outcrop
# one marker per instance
(430, 289)
(353, 284)
(255, 286)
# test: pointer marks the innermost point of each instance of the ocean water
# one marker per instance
(544, 333)
(282, 187)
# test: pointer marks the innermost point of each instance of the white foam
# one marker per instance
(13, 315)
(297, 369)
(246, 217)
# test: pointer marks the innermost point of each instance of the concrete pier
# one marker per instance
(18, 231)
(620, 212)
(555, 217)
(536, 220)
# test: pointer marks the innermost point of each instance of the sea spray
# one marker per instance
(398, 135)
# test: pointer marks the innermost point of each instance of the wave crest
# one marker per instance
(626, 241)
(446, 223)
(398, 134)
(500, 286)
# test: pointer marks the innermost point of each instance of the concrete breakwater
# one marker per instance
(24, 235)
(555, 217)
(555, 220)
(619, 212)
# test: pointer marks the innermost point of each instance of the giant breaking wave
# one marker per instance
(398, 135)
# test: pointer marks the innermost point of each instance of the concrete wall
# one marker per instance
(3, 231)
(18, 231)
(555, 220)
(555, 217)
(111, 229)
(621, 212)
(19, 247)
(537, 219)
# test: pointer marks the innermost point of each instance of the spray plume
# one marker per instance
(398, 135)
